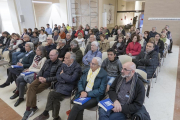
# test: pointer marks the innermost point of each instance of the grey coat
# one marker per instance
(34, 40)
(113, 68)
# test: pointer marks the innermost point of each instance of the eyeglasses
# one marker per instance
(124, 69)
(93, 64)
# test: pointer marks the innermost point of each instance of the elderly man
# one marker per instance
(79, 30)
(25, 63)
(16, 56)
(50, 45)
(113, 67)
(92, 84)
(56, 35)
(76, 50)
(88, 47)
(62, 49)
(68, 39)
(67, 77)
(153, 32)
(127, 94)
(148, 60)
(48, 30)
(44, 78)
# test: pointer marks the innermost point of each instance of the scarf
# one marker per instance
(37, 59)
(163, 39)
(90, 79)
(132, 90)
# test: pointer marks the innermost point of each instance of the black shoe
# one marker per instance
(18, 102)
(14, 96)
(14, 90)
(4, 85)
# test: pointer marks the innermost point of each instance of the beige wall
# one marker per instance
(163, 8)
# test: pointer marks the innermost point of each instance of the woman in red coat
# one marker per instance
(134, 48)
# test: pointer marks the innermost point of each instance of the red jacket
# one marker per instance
(134, 49)
(78, 31)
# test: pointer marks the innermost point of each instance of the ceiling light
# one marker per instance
(43, 2)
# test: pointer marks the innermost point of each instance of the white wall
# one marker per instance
(6, 18)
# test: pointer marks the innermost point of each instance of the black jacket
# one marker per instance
(49, 48)
(152, 34)
(54, 68)
(88, 47)
(123, 32)
(121, 49)
(79, 54)
(7, 43)
(150, 62)
(22, 46)
(114, 31)
(73, 33)
(126, 43)
(27, 60)
(62, 52)
(68, 43)
(161, 46)
(138, 97)
(67, 81)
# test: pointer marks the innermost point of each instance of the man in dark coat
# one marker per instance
(67, 77)
(148, 60)
(62, 49)
(127, 94)
(153, 32)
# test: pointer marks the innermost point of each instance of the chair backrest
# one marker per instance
(142, 73)
(111, 39)
(125, 58)
(112, 43)
(6, 56)
(44, 43)
(82, 49)
(104, 56)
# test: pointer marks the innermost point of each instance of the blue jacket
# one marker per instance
(99, 87)
(49, 31)
(89, 56)
(68, 79)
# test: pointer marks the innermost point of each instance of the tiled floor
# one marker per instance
(160, 103)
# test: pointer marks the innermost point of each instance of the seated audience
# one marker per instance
(107, 31)
(68, 40)
(104, 32)
(14, 43)
(159, 43)
(104, 43)
(127, 94)
(114, 31)
(79, 31)
(55, 28)
(156, 48)
(113, 67)
(16, 56)
(88, 46)
(134, 48)
(42, 36)
(146, 36)
(48, 29)
(77, 51)
(65, 30)
(24, 33)
(68, 27)
(165, 39)
(148, 60)
(62, 49)
(34, 39)
(46, 75)
(35, 67)
(25, 63)
(5, 40)
(122, 30)
(132, 30)
(80, 40)
(169, 36)
(92, 84)
(99, 33)
(50, 45)
(56, 36)
(118, 34)
(62, 34)
(73, 33)
(67, 78)
(59, 29)
(119, 46)
(153, 32)
(94, 52)
(86, 32)
(36, 31)
(127, 40)
(142, 42)
(30, 33)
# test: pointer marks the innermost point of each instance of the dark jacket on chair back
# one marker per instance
(67, 81)
(121, 49)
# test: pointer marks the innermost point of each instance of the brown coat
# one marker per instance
(62, 35)
(104, 46)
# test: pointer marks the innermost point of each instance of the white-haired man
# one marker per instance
(92, 84)
(88, 47)
(67, 77)
(127, 94)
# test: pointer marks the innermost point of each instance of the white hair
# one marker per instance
(73, 56)
(31, 45)
(99, 60)
(61, 29)
(51, 39)
(63, 41)
(95, 43)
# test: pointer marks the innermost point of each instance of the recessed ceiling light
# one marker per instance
(43, 2)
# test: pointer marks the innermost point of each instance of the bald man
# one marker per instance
(127, 94)
(46, 75)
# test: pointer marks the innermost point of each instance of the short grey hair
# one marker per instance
(141, 34)
(74, 43)
(27, 35)
(154, 27)
(129, 34)
(99, 60)
(56, 31)
(96, 43)
(62, 40)
(73, 56)
(51, 39)
(31, 45)
(94, 37)
(61, 29)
